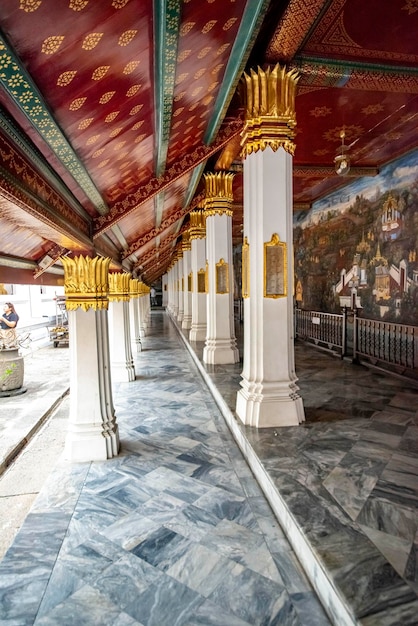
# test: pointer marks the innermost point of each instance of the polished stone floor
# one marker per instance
(176, 531)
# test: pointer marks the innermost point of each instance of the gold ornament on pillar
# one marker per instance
(269, 110)
(86, 282)
(119, 287)
(197, 228)
(219, 196)
(185, 242)
(134, 287)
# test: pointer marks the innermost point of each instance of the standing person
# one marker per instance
(9, 318)
(153, 294)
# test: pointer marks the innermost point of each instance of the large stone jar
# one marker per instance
(11, 369)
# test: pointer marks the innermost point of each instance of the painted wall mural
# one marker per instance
(359, 247)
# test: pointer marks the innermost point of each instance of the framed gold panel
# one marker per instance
(275, 268)
(222, 277)
(245, 269)
(201, 281)
(190, 282)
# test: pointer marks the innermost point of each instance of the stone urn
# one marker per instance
(11, 364)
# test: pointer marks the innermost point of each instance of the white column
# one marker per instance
(180, 311)
(134, 313)
(123, 369)
(187, 293)
(93, 431)
(198, 263)
(175, 292)
(220, 345)
(268, 396)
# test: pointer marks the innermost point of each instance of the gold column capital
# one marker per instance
(197, 228)
(86, 282)
(133, 287)
(219, 196)
(185, 242)
(119, 287)
(269, 109)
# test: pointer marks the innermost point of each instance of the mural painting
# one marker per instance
(358, 247)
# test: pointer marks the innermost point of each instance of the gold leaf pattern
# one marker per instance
(208, 26)
(116, 132)
(183, 55)
(140, 138)
(128, 69)
(121, 156)
(91, 41)
(181, 77)
(179, 96)
(103, 163)
(137, 125)
(92, 139)
(127, 37)
(133, 90)
(78, 5)
(222, 49)
(372, 109)
(320, 111)
(85, 123)
(178, 111)
(109, 118)
(136, 109)
(204, 52)
(176, 124)
(98, 153)
(119, 4)
(196, 91)
(229, 24)
(51, 44)
(106, 97)
(213, 86)
(218, 68)
(65, 78)
(119, 145)
(99, 72)
(30, 5)
(77, 104)
(186, 28)
(199, 73)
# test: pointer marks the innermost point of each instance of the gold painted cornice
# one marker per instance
(197, 224)
(86, 282)
(219, 196)
(269, 110)
(119, 287)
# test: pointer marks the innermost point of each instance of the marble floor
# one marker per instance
(181, 528)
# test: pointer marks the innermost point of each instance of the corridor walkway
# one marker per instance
(174, 531)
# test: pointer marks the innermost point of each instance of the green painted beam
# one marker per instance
(19, 86)
(194, 181)
(166, 34)
(247, 33)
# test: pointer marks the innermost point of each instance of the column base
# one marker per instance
(220, 352)
(187, 322)
(83, 446)
(123, 372)
(197, 333)
(268, 407)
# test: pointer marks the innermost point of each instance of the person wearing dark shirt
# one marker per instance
(9, 318)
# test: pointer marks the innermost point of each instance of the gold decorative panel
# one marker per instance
(222, 277)
(275, 268)
(201, 281)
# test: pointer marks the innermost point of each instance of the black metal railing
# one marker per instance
(383, 344)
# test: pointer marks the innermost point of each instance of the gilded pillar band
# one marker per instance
(219, 196)
(86, 282)
(197, 228)
(119, 287)
(269, 110)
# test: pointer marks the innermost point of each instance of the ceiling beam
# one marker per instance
(156, 185)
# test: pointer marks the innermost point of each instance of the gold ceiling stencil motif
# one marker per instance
(119, 4)
(196, 91)
(103, 163)
(411, 6)
(78, 5)
(127, 37)
(65, 78)
(106, 97)
(98, 153)
(137, 125)
(320, 111)
(115, 132)
(85, 123)
(119, 145)
(77, 104)
(222, 49)
(186, 28)
(109, 118)
(229, 24)
(99, 72)
(178, 111)
(199, 73)
(91, 41)
(208, 26)
(140, 138)
(133, 90)
(51, 44)
(30, 5)
(181, 77)
(130, 67)
(183, 55)
(92, 139)
(136, 109)
(373, 109)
